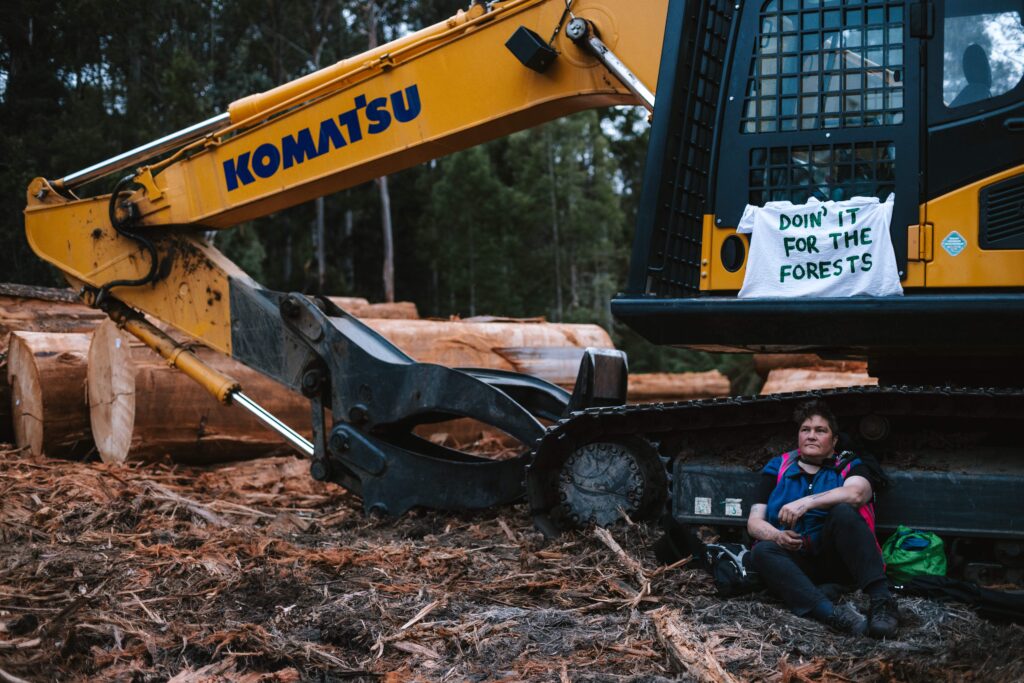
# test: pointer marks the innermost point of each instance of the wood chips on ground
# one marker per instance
(253, 572)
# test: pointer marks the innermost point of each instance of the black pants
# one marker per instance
(846, 554)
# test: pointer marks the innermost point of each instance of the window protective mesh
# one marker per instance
(673, 266)
(827, 172)
(825, 64)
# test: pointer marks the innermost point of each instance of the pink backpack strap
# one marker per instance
(867, 511)
(787, 460)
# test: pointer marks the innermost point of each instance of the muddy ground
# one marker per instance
(254, 572)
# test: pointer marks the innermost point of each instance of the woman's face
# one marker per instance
(816, 440)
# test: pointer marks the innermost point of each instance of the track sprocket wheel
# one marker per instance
(599, 481)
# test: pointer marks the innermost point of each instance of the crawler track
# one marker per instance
(917, 421)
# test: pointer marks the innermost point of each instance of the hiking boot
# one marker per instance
(846, 619)
(883, 618)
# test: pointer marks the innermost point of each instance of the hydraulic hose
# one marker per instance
(121, 226)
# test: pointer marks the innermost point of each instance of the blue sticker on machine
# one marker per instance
(954, 243)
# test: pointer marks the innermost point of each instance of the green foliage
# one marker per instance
(243, 246)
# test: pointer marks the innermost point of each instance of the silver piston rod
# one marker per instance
(147, 151)
(290, 435)
(582, 33)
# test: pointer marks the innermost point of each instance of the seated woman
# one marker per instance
(814, 523)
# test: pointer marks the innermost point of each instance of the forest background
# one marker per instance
(538, 223)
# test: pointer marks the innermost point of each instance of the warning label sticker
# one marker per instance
(701, 506)
(954, 243)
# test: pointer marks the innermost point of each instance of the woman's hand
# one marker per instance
(792, 512)
(790, 540)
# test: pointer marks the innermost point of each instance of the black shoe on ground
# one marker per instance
(883, 618)
(846, 619)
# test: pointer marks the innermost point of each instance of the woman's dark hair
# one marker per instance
(819, 408)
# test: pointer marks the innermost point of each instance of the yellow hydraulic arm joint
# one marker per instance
(176, 354)
(180, 356)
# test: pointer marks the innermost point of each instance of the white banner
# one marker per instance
(820, 249)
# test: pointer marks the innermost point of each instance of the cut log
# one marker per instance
(683, 386)
(764, 363)
(140, 408)
(361, 308)
(785, 380)
(45, 309)
(46, 372)
(551, 351)
(396, 310)
(35, 315)
(15, 289)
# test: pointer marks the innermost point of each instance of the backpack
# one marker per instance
(729, 565)
(909, 553)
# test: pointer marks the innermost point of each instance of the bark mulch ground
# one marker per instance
(254, 572)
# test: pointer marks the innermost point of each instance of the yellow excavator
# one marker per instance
(750, 102)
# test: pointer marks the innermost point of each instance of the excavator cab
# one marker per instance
(798, 99)
(774, 100)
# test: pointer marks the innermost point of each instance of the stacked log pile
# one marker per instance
(61, 312)
(80, 384)
(785, 373)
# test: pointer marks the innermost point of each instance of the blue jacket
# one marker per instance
(795, 484)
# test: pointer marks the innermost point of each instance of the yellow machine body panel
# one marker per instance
(953, 216)
(193, 296)
(969, 265)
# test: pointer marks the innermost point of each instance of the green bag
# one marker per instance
(909, 553)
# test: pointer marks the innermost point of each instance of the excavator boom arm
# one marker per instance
(484, 73)
(447, 87)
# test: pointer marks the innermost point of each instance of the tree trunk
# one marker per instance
(321, 248)
(46, 372)
(382, 184)
(471, 263)
(554, 226)
(547, 350)
(389, 245)
(288, 258)
(141, 408)
(347, 264)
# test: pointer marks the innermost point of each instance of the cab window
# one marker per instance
(826, 64)
(983, 50)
